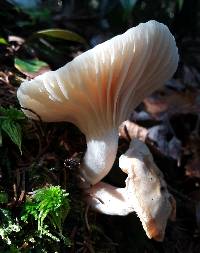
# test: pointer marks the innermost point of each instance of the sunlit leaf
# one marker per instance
(60, 34)
(14, 131)
(29, 65)
(9, 118)
(3, 41)
(31, 68)
(11, 113)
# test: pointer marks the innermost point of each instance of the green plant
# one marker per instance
(8, 226)
(49, 206)
(9, 123)
(3, 197)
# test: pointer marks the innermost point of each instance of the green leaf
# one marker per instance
(3, 197)
(14, 131)
(128, 4)
(9, 124)
(180, 4)
(3, 41)
(128, 7)
(11, 113)
(60, 34)
(0, 137)
(29, 66)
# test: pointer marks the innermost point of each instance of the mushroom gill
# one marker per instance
(100, 88)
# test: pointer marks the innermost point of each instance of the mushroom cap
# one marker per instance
(147, 190)
(101, 87)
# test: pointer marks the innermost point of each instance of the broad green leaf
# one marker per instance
(61, 34)
(3, 41)
(11, 113)
(9, 118)
(29, 66)
(14, 131)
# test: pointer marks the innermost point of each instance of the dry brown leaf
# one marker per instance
(193, 149)
(172, 102)
(129, 130)
(193, 168)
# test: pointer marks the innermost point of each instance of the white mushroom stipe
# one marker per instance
(100, 88)
(145, 192)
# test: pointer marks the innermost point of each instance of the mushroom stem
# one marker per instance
(100, 156)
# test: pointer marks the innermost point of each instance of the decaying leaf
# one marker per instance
(130, 130)
(175, 146)
(193, 168)
(168, 147)
(193, 149)
(155, 106)
(171, 102)
(158, 134)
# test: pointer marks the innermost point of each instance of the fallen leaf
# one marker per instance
(130, 130)
(175, 84)
(31, 68)
(174, 147)
(193, 168)
(169, 147)
(158, 135)
(140, 116)
(169, 101)
(3, 41)
(192, 148)
(60, 34)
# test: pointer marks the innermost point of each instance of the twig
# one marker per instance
(30, 110)
(86, 218)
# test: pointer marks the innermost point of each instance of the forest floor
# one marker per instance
(51, 154)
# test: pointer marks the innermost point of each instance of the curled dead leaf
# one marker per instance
(129, 130)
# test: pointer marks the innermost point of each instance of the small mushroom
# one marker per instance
(100, 88)
(145, 192)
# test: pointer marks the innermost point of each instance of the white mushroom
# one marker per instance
(101, 87)
(145, 192)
